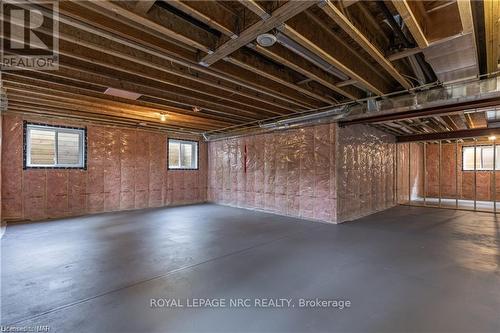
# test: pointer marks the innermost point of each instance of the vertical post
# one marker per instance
(456, 174)
(475, 173)
(494, 177)
(439, 172)
(396, 174)
(409, 173)
(425, 171)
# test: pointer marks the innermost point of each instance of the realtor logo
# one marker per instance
(29, 34)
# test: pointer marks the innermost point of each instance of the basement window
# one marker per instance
(484, 158)
(54, 146)
(182, 154)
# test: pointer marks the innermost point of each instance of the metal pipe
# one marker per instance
(407, 43)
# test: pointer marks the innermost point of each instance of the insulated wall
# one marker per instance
(410, 171)
(365, 171)
(126, 169)
(289, 172)
(483, 189)
(296, 172)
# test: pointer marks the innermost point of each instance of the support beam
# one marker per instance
(342, 21)
(279, 16)
(470, 133)
(425, 112)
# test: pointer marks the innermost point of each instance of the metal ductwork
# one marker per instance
(305, 53)
(471, 94)
(327, 116)
(419, 66)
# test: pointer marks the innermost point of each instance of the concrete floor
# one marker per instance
(406, 269)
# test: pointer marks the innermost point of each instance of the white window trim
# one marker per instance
(57, 130)
(194, 144)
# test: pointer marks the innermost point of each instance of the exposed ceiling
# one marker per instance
(199, 63)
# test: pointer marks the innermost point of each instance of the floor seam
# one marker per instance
(158, 277)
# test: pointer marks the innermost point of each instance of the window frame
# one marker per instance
(180, 158)
(82, 131)
(497, 161)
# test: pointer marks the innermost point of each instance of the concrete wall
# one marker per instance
(365, 171)
(289, 172)
(126, 169)
(318, 172)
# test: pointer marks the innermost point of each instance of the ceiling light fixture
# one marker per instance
(163, 116)
(122, 93)
(266, 40)
(492, 138)
(196, 109)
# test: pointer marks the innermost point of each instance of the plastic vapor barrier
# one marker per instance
(294, 172)
(126, 169)
(287, 172)
(365, 171)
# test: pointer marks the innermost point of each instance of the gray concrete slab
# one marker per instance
(405, 269)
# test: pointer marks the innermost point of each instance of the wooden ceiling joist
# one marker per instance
(170, 24)
(409, 17)
(269, 91)
(278, 17)
(336, 15)
(57, 99)
(143, 6)
(210, 13)
(241, 59)
(321, 46)
(68, 74)
(304, 67)
(112, 31)
(492, 34)
(255, 8)
(98, 48)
